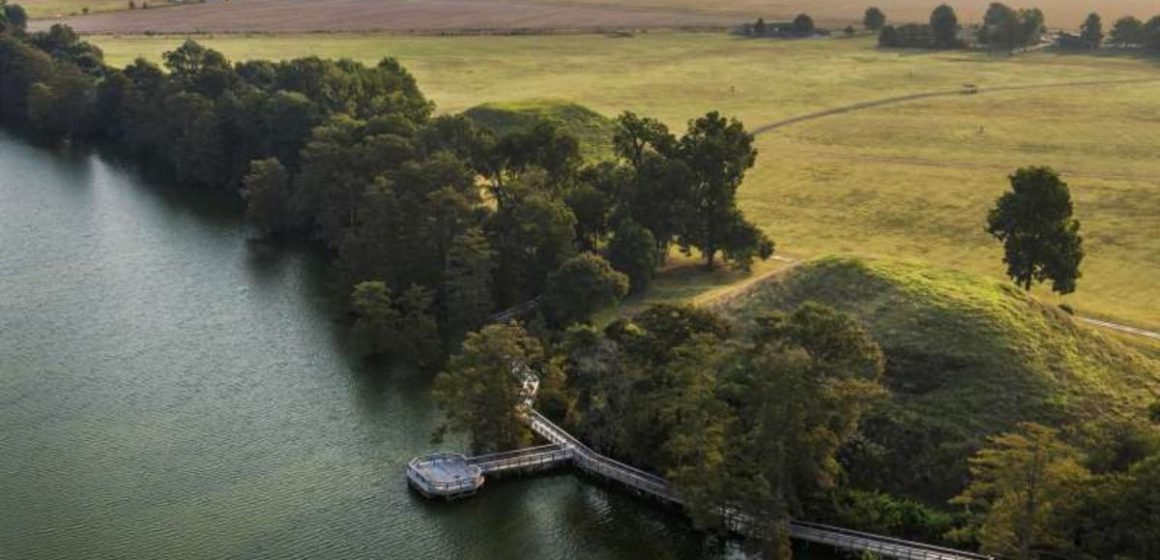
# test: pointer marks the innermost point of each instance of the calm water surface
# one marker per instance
(170, 390)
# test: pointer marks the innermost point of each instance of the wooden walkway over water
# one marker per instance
(468, 475)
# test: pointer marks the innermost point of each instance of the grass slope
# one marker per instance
(967, 356)
(592, 129)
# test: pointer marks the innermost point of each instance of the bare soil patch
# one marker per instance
(426, 16)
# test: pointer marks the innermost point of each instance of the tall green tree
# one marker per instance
(417, 340)
(1120, 514)
(803, 24)
(635, 137)
(874, 19)
(582, 286)
(1092, 30)
(718, 152)
(797, 391)
(944, 24)
(632, 251)
(1128, 30)
(1007, 28)
(1023, 484)
(1040, 237)
(377, 318)
(267, 193)
(602, 388)
(482, 387)
(467, 283)
(534, 235)
(697, 423)
(13, 18)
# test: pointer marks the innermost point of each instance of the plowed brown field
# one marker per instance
(426, 16)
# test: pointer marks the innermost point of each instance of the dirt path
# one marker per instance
(944, 93)
(1121, 328)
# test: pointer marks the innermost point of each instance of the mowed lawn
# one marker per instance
(911, 180)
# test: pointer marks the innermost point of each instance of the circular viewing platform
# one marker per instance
(444, 475)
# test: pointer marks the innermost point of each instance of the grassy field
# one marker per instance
(912, 179)
(966, 356)
(593, 130)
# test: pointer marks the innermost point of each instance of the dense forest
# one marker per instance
(436, 222)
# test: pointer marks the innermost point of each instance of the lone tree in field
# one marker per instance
(1092, 30)
(944, 23)
(1040, 238)
(874, 19)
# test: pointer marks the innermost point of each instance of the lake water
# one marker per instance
(170, 390)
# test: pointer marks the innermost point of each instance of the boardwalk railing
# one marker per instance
(516, 311)
(591, 461)
(657, 487)
(532, 458)
(467, 483)
(877, 544)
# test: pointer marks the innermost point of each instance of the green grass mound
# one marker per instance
(592, 129)
(967, 356)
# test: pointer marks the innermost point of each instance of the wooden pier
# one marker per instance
(454, 476)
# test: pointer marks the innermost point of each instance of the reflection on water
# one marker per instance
(169, 389)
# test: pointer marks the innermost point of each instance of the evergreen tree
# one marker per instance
(467, 283)
(377, 318)
(267, 194)
(482, 388)
(1024, 483)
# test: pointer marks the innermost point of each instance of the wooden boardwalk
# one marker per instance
(564, 449)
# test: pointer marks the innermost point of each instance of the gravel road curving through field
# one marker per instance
(861, 106)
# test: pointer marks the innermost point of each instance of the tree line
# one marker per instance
(1002, 27)
(1007, 28)
(1131, 32)
(437, 222)
(801, 26)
